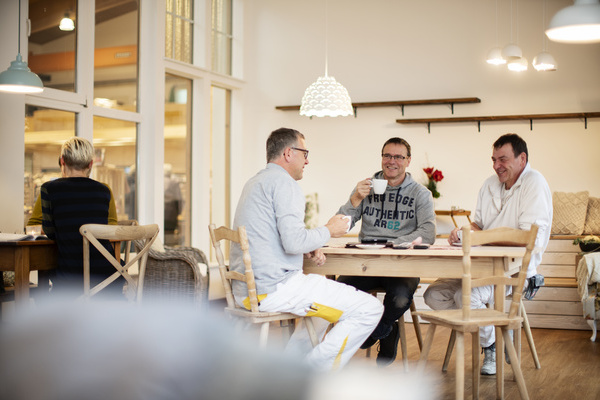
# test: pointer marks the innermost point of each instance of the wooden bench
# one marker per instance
(557, 305)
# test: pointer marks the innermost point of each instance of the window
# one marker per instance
(221, 36)
(116, 56)
(220, 156)
(52, 49)
(179, 30)
(178, 126)
(45, 132)
(115, 163)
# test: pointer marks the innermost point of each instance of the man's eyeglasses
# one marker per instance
(397, 157)
(302, 150)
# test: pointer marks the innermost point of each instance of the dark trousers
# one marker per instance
(398, 296)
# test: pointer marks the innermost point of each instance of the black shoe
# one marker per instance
(368, 343)
(388, 347)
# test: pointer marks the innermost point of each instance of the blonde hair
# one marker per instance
(77, 153)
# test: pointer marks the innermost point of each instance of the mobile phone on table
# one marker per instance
(421, 246)
(374, 241)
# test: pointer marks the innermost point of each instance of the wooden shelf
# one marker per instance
(401, 103)
(529, 117)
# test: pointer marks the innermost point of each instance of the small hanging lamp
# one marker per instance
(326, 97)
(18, 78)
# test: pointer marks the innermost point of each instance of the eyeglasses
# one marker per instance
(397, 157)
(302, 150)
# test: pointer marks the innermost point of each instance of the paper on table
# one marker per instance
(15, 237)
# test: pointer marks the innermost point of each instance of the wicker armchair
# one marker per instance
(175, 276)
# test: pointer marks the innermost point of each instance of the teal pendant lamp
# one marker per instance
(18, 78)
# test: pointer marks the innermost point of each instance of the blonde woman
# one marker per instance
(72, 201)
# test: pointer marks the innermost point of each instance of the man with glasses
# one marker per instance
(402, 214)
(271, 207)
(516, 197)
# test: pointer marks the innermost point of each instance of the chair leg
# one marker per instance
(426, 348)
(402, 330)
(475, 362)
(310, 327)
(449, 350)
(264, 335)
(592, 324)
(516, 367)
(460, 365)
(529, 336)
(416, 324)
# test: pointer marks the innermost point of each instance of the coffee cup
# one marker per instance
(379, 185)
(349, 219)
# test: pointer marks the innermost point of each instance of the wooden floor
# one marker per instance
(570, 366)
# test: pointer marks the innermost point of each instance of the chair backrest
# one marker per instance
(238, 236)
(127, 222)
(92, 233)
(499, 236)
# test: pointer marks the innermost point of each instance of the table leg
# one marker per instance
(21, 263)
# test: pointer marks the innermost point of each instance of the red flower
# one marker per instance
(428, 171)
(437, 175)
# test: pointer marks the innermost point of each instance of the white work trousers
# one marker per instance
(445, 294)
(357, 314)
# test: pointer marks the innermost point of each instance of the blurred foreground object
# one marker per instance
(112, 350)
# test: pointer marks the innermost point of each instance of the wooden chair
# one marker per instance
(402, 329)
(253, 315)
(517, 340)
(92, 233)
(466, 320)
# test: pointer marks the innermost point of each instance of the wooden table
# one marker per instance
(23, 257)
(441, 261)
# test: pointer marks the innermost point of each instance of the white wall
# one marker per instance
(384, 50)
(11, 129)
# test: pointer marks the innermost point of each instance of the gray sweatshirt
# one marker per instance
(401, 214)
(271, 207)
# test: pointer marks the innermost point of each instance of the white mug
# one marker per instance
(349, 219)
(379, 185)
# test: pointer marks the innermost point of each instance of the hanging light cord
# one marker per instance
(511, 21)
(326, 44)
(497, 42)
(544, 43)
(517, 21)
(19, 31)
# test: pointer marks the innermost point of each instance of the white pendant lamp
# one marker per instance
(511, 52)
(326, 97)
(544, 60)
(579, 23)
(495, 55)
(18, 78)
(66, 24)
(518, 65)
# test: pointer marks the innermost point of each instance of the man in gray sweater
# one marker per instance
(402, 214)
(271, 207)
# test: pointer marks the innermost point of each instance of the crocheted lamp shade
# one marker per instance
(326, 98)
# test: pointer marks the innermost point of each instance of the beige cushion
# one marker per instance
(158, 246)
(592, 220)
(570, 210)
